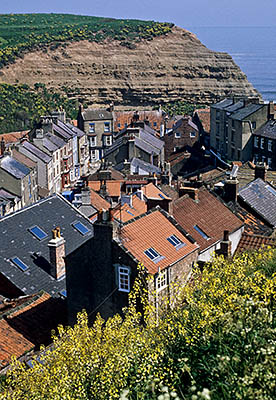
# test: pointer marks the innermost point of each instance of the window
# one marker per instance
(119, 125)
(233, 136)
(94, 154)
(63, 293)
(107, 127)
(155, 124)
(217, 114)
(92, 127)
(217, 129)
(161, 280)
(192, 134)
(269, 145)
(19, 264)
(269, 162)
(177, 243)
(253, 124)
(82, 229)
(123, 279)
(93, 141)
(38, 232)
(201, 232)
(153, 255)
(262, 143)
(256, 141)
(108, 140)
(177, 135)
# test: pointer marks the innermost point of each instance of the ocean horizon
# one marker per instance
(252, 48)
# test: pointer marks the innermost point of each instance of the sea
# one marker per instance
(252, 48)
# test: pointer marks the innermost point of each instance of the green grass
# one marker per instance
(20, 33)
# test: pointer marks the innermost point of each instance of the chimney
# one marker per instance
(152, 179)
(105, 229)
(231, 187)
(2, 147)
(271, 110)
(192, 192)
(111, 106)
(57, 254)
(39, 133)
(140, 194)
(126, 199)
(261, 171)
(225, 245)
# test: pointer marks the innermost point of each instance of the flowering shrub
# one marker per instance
(217, 342)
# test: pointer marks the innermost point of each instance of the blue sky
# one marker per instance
(184, 13)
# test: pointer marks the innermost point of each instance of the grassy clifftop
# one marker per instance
(24, 32)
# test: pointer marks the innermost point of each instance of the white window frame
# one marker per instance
(256, 142)
(161, 281)
(92, 127)
(108, 140)
(269, 162)
(192, 134)
(177, 135)
(93, 141)
(262, 143)
(106, 128)
(123, 278)
(269, 145)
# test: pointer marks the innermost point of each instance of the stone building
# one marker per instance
(102, 281)
(233, 123)
(264, 144)
(98, 125)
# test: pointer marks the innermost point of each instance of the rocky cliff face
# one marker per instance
(169, 68)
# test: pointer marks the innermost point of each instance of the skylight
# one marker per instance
(161, 195)
(130, 212)
(38, 232)
(200, 231)
(177, 243)
(82, 229)
(153, 255)
(63, 293)
(19, 264)
(271, 189)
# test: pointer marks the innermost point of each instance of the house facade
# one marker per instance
(264, 144)
(103, 279)
(98, 125)
(233, 123)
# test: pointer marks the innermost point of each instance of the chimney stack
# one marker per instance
(140, 194)
(57, 254)
(225, 245)
(261, 171)
(2, 147)
(192, 192)
(231, 187)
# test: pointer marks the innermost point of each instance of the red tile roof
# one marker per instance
(113, 187)
(13, 137)
(209, 214)
(98, 201)
(127, 212)
(152, 230)
(125, 117)
(28, 324)
(251, 242)
(153, 192)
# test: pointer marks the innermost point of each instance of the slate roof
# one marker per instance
(150, 168)
(148, 135)
(36, 151)
(17, 241)
(22, 158)
(14, 167)
(209, 214)
(234, 107)
(60, 143)
(246, 111)
(151, 230)
(146, 146)
(267, 130)
(249, 242)
(91, 114)
(76, 130)
(223, 103)
(260, 196)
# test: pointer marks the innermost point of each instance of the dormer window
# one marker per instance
(177, 135)
(153, 255)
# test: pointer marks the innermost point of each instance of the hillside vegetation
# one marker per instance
(21, 106)
(218, 342)
(25, 32)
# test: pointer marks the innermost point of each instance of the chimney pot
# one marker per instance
(261, 171)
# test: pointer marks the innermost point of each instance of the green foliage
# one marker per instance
(21, 106)
(180, 108)
(217, 342)
(20, 33)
